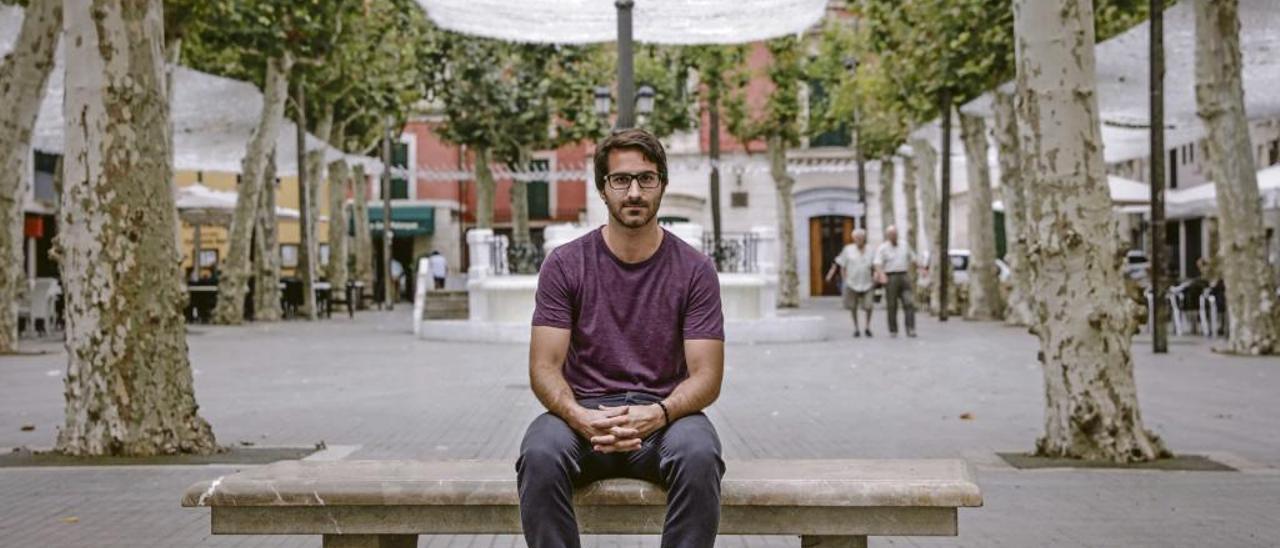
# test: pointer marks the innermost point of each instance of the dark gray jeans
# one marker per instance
(899, 289)
(683, 457)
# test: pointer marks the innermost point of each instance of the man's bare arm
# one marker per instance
(547, 349)
(705, 359)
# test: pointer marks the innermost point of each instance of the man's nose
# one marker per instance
(633, 190)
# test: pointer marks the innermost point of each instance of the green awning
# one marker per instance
(406, 221)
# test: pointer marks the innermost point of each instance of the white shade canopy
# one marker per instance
(1122, 76)
(201, 205)
(655, 21)
(1124, 193)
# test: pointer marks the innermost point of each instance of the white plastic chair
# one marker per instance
(42, 302)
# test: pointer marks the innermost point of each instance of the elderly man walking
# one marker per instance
(855, 262)
(891, 264)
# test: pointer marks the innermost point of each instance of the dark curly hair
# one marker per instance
(630, 139)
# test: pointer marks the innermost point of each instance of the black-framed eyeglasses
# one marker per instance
(648, 180)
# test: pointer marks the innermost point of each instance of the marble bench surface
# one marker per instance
(935, 483)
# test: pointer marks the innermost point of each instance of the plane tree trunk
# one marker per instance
(1087, 322)
(266, 263)
(24, 74)
(788, 278)
(1017, 309)
(128, 386)
(1251, 291)
(984, 277)
(233, 281)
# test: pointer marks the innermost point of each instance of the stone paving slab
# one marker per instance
(370, 383)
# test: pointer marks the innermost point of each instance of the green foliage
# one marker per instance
(515, 98)
(667, 70)
(234, 38)
(963, 47)
(364, 61)
(780, 116)
(860, 94)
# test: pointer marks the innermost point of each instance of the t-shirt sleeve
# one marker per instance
(553, 302)
(703, 318)
(843, 258)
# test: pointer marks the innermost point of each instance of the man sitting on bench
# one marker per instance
(627, 349)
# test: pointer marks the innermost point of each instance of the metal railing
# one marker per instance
(508, 258)
(738, 252)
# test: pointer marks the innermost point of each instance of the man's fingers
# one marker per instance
(614, 411)
(605, 424)
(607, 439)
(618, 447)
(622, 432)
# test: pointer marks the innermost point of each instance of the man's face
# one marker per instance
(633, 207)
(859, 239)
(892, 235)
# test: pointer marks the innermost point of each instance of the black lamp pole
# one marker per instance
(1159, 335)
(626, 67)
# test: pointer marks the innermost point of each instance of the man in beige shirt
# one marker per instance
(892, 263)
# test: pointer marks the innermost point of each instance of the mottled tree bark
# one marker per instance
(788, 278)
(1251, 291)
(887, 216)
(484, 189)
(1018, 305)
(339, 181)
(24, 73)
(1086, 321)
(926, 168)
(520, 201)
(266, 264)
(984, 278)
(309, 251)
(128, 385)
(909, 193)
(363, 241)
(235, 272)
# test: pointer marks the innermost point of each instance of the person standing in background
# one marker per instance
(439, 268)
(891, 264)
(856, 263)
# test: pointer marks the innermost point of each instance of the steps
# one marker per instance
(446, 305)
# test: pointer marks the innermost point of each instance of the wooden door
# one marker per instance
(827, 236)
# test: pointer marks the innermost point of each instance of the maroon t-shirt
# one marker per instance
(628, 321)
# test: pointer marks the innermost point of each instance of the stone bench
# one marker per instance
(828, 503)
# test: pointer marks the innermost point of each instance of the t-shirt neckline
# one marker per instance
(632, 266)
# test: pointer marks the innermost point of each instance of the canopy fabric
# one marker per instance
(654, 21)
(1202, 200)
(1124, 193)
(406, 221)
(199, 204)
(1122, 76)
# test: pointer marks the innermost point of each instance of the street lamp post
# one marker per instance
(851, 65)
(642, 104)
(626, 67)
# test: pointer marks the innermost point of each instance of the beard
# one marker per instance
(634, 213)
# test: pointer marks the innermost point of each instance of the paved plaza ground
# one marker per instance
(370, 384)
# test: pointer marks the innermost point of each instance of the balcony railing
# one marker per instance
(738, 252)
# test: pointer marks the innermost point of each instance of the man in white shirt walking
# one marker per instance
(439, 268)
(855, 263)
(891, 264)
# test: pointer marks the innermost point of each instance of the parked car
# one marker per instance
(960, 265)
(1136, 265)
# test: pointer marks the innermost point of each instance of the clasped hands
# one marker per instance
(617, 429)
